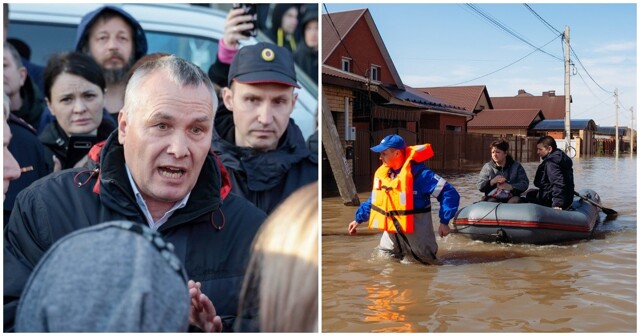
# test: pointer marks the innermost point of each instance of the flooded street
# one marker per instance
(588, 286)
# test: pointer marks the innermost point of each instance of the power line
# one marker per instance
(585, 69)
(508, 65)
(340, 39)
(552, 28)
(510, 31)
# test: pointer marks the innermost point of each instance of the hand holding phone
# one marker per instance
(79, 146)
(249, 9)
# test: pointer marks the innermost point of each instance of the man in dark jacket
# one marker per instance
(259, 143)
(116, 41)
(156, 169)
(554, 177)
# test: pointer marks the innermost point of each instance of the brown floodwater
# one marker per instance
(586, 286)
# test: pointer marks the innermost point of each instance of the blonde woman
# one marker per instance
(280, 290)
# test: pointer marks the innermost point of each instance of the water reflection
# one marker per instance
(485, 287)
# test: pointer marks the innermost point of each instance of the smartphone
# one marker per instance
(250, 9)
(79, 146)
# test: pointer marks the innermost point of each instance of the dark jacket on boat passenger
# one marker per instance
(554, 177)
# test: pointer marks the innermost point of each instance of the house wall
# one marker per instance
(363, 50)
(450, 120)
(335, 98)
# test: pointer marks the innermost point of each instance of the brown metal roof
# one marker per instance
(331, 71)
(551, 105)
(343, 22)
(506, 118)
(464, 96)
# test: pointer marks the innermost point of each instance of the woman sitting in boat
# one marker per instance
(502, 179)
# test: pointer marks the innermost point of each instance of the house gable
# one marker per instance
(366, 48)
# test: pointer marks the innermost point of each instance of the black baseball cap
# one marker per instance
(263, 63)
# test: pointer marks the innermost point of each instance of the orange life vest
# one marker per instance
(392, 199)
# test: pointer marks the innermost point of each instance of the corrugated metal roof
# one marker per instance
(551, 106)
(558, 124)
(463, 96)
(343, 22)
(331, 71)
(611, 130)
(506, 118)
(424, 100)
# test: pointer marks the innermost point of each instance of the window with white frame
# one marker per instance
(346, 64)
(375, 72)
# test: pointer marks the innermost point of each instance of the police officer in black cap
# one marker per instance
(257, 141)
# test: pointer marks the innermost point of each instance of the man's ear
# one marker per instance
(122, 126)
(227, 98)
(46, 100)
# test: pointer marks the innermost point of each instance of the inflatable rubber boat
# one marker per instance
(529, 223)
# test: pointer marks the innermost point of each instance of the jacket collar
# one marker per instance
(115, 190)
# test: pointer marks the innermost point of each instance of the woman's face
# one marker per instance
(498, 155)
(76, 103)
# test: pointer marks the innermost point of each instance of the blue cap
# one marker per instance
(390, 141)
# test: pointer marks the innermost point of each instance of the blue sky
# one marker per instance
(447, 44)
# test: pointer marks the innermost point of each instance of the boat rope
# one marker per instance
(494, 209)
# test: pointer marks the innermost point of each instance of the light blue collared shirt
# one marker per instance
(143, 205)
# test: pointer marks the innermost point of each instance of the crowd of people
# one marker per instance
(183, 163)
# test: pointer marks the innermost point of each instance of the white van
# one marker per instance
(190, 32)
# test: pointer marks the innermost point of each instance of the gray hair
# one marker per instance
(180, 71)
(14, 53)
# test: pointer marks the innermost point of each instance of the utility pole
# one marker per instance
(631, 109)
(615, 93)
(567, 93)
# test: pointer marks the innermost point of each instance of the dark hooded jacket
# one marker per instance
(276, 23)
(56, 141)
(304, 56)
(264, 178)
(29, 152)
(554, 178)
(512, 171)
(212, 237)
(32, 103)
(140, 40)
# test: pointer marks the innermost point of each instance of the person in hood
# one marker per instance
(156, 168)
(554, 177)
(306, 55)
(284, 25)
(113, 277)
(116, 41)
(502, 179)
(259, 144)
(25, 99)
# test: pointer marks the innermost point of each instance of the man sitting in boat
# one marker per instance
(554, 177)
(502, 179)
(400, 201)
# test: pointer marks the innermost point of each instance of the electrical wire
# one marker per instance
(510, 31)
(552, 28)
(585, 69)
(340, 39)
(506, 66)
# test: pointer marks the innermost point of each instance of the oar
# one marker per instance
(606, 211)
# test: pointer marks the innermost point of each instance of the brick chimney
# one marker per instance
(521, 92)
(550, 93)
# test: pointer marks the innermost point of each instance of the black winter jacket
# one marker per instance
(554, 178)
(264, 178)
(56, 141)
(76, 198)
